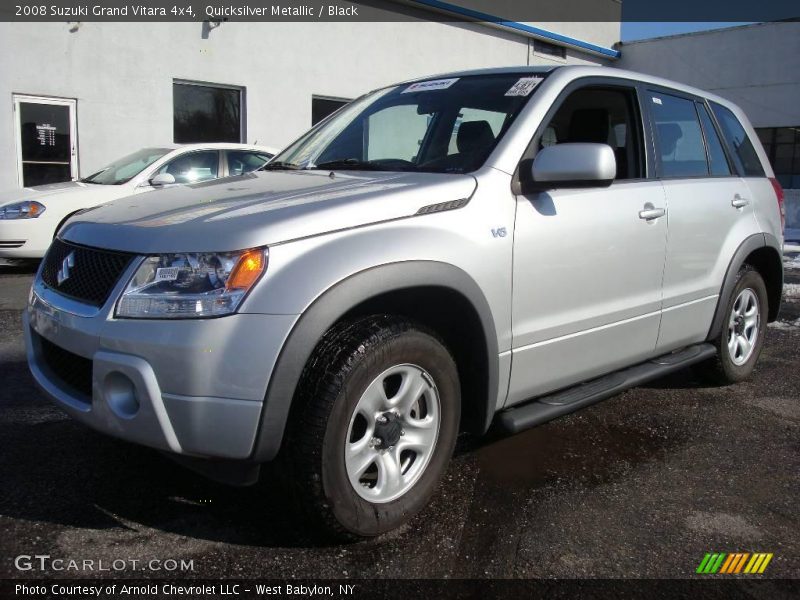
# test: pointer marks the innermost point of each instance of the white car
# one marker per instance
(31, 217)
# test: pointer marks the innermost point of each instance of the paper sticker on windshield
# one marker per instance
(167, 274)
(524, 86)
(656, 100)
(427, 86)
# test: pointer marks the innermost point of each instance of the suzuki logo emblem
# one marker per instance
(66, 265)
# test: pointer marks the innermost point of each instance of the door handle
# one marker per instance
(650, 212)
(739, 202)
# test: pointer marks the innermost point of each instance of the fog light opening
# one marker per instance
(120, 394)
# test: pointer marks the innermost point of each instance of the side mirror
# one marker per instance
(573, 165)
(162, 179)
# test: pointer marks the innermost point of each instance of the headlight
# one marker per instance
(21, 210)
(175, 286)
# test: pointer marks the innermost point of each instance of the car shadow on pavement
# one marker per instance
(18, 267)
(56, 470)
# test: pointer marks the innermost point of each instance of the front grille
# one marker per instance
(92, 273)
(12, 244)
(73, 370)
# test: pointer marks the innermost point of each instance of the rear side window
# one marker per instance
(679, 137)
(744, 154)
(716, 153)
(241, 162)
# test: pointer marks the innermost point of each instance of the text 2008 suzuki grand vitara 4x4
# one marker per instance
(504, 246)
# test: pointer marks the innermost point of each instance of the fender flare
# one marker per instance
(336, 301)
(747, 247)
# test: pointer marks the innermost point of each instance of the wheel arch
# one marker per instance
(63, 221)
(762, 251)
(398, 288)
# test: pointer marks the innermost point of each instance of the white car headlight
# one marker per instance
(191, 285)
(21, 210)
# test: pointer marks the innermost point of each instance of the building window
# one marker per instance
(782, 145)
(207, 113)
(549, 50)
(322, 106)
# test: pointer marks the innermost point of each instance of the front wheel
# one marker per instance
(742, 337)
(375, 426)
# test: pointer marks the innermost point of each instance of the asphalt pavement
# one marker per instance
(641, 485)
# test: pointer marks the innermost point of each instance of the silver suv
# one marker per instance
(489, 247)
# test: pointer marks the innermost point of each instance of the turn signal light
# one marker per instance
(249, 268)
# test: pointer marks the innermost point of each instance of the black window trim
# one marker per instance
(734, 172)
(658, 89)
(643, 126)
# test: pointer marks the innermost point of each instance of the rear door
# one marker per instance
(587, 265)
(710, 213)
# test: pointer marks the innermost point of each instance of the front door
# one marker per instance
(46, 140)
(588, 263)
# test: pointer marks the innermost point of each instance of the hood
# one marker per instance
(59, 190)
(258, 209)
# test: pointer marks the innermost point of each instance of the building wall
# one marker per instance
(121, 73)
(755, 66)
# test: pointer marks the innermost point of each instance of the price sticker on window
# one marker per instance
(524, 86)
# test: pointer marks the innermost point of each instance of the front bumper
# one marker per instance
(190, 387)
(26, 238)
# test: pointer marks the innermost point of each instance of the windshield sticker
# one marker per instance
(167, 274)
(427, 86)
(524, 86)
(656, 100)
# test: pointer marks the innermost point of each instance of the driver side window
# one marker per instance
(193, 167)
(601, 115)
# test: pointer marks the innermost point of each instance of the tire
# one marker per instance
(357, 370)
(734, 361)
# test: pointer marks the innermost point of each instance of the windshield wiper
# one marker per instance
(279, 166)
(348, 163)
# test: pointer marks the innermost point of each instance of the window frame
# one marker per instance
(703, 102)
(225, 86)
(641, 120)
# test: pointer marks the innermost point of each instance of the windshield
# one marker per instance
(125, 169)
(443, 126)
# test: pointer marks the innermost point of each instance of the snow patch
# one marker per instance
(791, 290)
(785, 325)
(791, 261)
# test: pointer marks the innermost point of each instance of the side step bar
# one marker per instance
(547, 408)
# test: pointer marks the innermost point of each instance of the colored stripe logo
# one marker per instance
(734, 563)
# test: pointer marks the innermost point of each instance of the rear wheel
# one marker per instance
(742, 337)
(375, 426)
